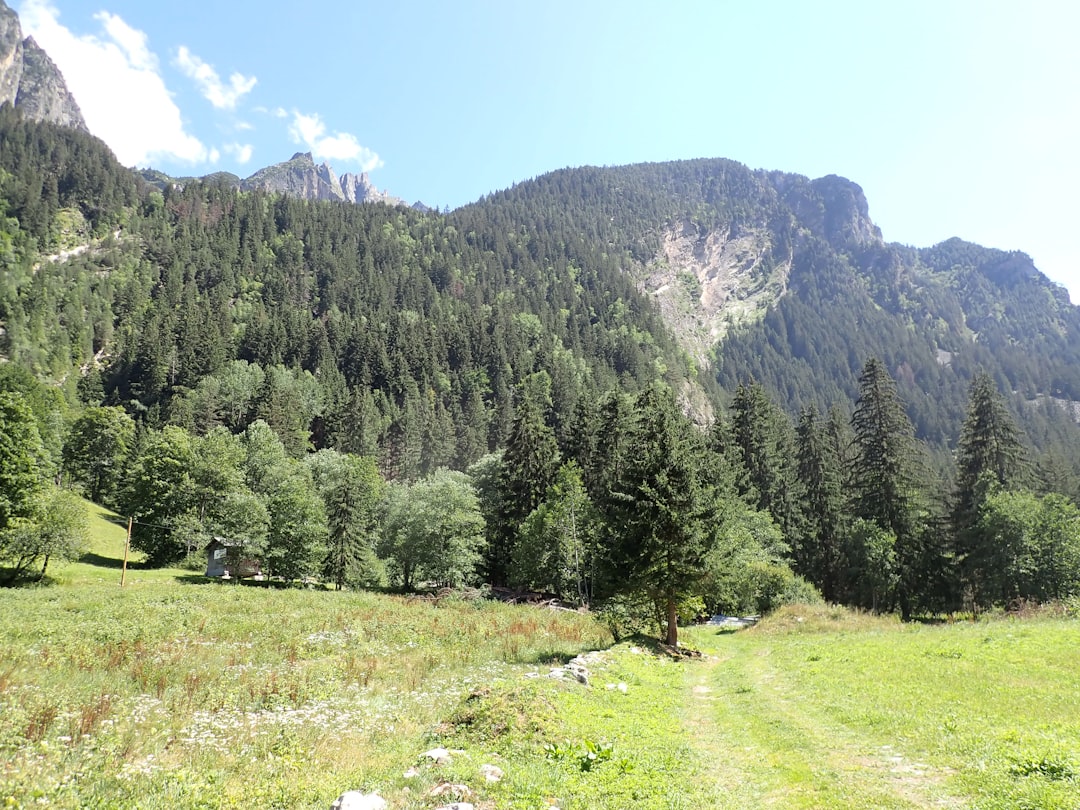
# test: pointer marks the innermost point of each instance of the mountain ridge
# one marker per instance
(298, 177)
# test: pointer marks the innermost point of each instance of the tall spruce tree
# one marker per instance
(762, 433)
(529, 465)
(819, 557)
(661, 519)
(884, 473)
(990, 457)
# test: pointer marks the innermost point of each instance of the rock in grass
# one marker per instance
(457, 791)
(355, 800)
(456, 806)
(491, 773)
(440, 756)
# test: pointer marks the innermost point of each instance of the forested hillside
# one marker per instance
(835, 292)
(687, 386)
(370, 328)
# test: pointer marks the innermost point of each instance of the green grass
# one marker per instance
(176, 692)
(824, 714)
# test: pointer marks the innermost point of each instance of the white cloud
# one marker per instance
(241, 152)
(115, 79)
(341, 146)
(222, 96)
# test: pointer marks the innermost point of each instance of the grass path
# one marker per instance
(853, 713)
(769, 747)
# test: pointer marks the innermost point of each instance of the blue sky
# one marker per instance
(956, 118)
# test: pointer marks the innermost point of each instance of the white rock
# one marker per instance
(491, 773)
(439, 755)
(355, 800)
(456, 806)
(412, 773)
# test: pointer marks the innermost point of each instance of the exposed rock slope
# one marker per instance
(30, 80)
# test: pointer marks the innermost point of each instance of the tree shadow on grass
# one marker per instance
(197, 579)
(727, 631)
(554, 658)
(90, 558)
(246, 582)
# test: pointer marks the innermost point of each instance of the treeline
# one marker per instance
(631, 505)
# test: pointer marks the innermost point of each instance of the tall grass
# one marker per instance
(182, 694)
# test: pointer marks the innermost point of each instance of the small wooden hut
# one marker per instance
(226, 558)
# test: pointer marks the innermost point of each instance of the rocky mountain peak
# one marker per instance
(30, 80)
(831, 207)
(301, 177)
(847, 214)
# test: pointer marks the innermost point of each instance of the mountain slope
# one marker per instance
(787, 280)
(373, 328)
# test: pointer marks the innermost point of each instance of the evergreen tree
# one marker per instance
(762, 434)
(660, 514)
(990, 458)
(529, 464)
(884, 477)
(819, 556)
(351, 489)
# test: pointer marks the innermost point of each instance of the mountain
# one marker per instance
(298, 177)
(301, 177)
(406, 332)
(786, 280)
(30, 80)
(376, 328)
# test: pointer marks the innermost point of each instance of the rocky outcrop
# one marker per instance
(358, 188)
(830, 207)
(10, 54)
(301, 177)
(43, 95)
(30, 80)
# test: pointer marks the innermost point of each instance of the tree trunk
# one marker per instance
(672, 623)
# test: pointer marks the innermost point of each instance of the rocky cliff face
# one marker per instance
(10, 54)
(301, 177)
(30, 80)
(43, 95)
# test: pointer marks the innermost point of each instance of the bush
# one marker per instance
(629, 614)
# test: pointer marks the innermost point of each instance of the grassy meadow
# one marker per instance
(174, 692)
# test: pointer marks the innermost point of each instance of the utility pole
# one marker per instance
(127, 546)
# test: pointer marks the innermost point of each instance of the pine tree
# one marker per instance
(989, 444)
(762, 434)
(529, 465)
(661, 520)
(884, 479)
(351, 489)
(990, 458)
(819, 556)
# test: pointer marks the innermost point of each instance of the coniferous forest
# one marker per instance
(371, 395)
